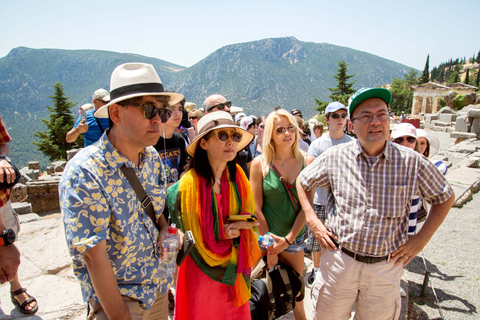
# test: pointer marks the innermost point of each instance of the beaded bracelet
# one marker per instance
(287, 241)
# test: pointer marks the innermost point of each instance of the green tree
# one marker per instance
(52, 142)
(452, 77)
(411, 77)
(477, 82)
(321, 105)
(344, 89)
(402, 93)
(478, 57)
(467, 77)
(457, 77)
(426, 74)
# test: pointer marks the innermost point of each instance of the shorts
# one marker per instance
(297, 246)
(10, 217)
(312, 243)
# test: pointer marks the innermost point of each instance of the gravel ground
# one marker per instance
(452, 258)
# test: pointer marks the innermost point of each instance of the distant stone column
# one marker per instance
(416, 107)
(435, 105)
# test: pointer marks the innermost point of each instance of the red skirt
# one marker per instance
(201, 298)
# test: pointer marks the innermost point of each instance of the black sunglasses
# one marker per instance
(400, 139)
(223, 136)
(221, 106)
(336, 115)
(150, 111)
(192, 118)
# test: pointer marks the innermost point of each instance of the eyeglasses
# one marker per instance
(297, 115)
(221, 106)
(150, 111)
(399, 140)
(192, 118)
(261, 126)
(282, 130)
(382, 116)
(336, 115)
(223, 136)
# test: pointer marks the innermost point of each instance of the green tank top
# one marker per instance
(277, 207)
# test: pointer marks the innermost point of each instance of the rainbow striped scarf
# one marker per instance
(193, 206)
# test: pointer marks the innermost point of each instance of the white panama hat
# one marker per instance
(131, 80)
(218, 120)
(434, 142)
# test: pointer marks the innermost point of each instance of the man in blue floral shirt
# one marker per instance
(113, 242)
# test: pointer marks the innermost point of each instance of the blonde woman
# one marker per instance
(273, 207)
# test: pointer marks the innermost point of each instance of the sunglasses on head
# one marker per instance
(150, 111)
(282, 130)
(336, 115)
(223, 136)
(221, 106)
(399, 140)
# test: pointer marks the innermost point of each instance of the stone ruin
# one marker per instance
(463, 124)
(36, 191)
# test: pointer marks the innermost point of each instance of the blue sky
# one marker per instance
(184, 32)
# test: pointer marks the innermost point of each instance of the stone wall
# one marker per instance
(38, 189)
(43, 195)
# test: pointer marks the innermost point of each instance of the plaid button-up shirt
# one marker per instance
(369, 198)
(4, 138)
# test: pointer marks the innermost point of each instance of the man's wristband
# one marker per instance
(287, 241)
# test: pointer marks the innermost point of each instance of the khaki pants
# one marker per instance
(343, 282)
(10, 217)
(158, 311)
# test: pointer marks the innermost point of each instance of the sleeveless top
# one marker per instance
(277, 206)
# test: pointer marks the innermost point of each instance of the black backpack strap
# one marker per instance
(144, 198)
(99, 125)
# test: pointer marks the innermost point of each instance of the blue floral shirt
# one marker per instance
(98, 204)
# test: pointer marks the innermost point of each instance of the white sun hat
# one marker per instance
(218, 120)
(130, 80)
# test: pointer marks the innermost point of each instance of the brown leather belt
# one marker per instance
(360, 257)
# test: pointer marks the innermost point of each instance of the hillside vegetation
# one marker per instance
(256, 75)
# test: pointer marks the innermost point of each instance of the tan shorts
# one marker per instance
(158, 311)
(10, 217)
(343, 282)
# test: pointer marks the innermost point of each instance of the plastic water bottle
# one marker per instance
(166, 266)
(266, 240)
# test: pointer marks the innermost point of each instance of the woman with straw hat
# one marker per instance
(214, 280)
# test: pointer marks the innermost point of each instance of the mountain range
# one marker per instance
(256, 76)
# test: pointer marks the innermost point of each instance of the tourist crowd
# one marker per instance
(352, 196)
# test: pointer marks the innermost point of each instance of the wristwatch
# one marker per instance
(7, 238)
(6, 158)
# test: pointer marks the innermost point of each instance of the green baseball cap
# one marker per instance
(367, 93)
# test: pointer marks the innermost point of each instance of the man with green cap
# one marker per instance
(371, 182)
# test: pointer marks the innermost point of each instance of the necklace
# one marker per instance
(217, 180)
(280, 160)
